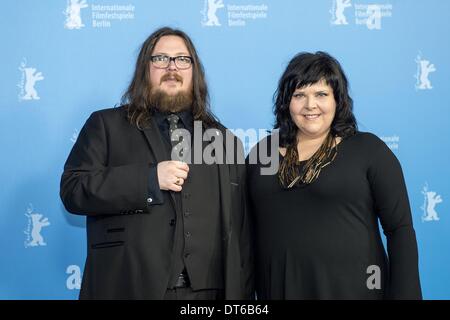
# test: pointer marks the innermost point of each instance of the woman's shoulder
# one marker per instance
(366, 140)
(370, 147)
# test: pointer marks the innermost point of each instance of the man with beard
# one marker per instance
(160, 227)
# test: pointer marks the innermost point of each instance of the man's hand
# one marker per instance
(171, 175)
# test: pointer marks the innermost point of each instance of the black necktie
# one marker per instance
(176, 139)
(173, 125)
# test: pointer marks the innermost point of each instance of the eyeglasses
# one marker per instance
(163, 61)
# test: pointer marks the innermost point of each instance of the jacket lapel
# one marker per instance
(155, 141)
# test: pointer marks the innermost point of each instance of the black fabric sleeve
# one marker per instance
(155, 195)
(393, 209)
(90, 186)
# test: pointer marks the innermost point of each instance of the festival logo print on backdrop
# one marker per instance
(337, 11)
(238, 15)
(431, 199)
(209, 12)
(29, 78)
(424, 68)
(36, 222)
(73, 14)
(102, 15)
(368, 15)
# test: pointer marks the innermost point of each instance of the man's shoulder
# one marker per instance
(109, 116)
(111, 113)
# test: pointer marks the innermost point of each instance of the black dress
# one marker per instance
(321, 241)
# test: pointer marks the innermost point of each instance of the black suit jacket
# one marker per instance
(129, 239)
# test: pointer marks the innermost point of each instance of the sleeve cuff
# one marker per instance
(155, 195)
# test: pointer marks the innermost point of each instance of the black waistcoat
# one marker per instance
(197, 244)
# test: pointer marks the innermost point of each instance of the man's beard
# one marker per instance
(164, 102)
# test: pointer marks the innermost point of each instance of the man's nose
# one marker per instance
(172, 66)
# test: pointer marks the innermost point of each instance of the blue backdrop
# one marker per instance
(63, 59)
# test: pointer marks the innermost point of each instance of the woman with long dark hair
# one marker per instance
(316, 220)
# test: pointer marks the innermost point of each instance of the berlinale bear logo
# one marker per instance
(29, 79)
(36, 222)
(73, 14)
(431, 199)
(209, 14)
(424, 68)
(338, 11)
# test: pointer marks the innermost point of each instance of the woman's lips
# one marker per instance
(311, 116)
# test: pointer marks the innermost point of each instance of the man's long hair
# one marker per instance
(138, 93)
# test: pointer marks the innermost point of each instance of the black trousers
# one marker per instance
(189, 294)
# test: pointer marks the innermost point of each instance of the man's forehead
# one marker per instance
(172, 44)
